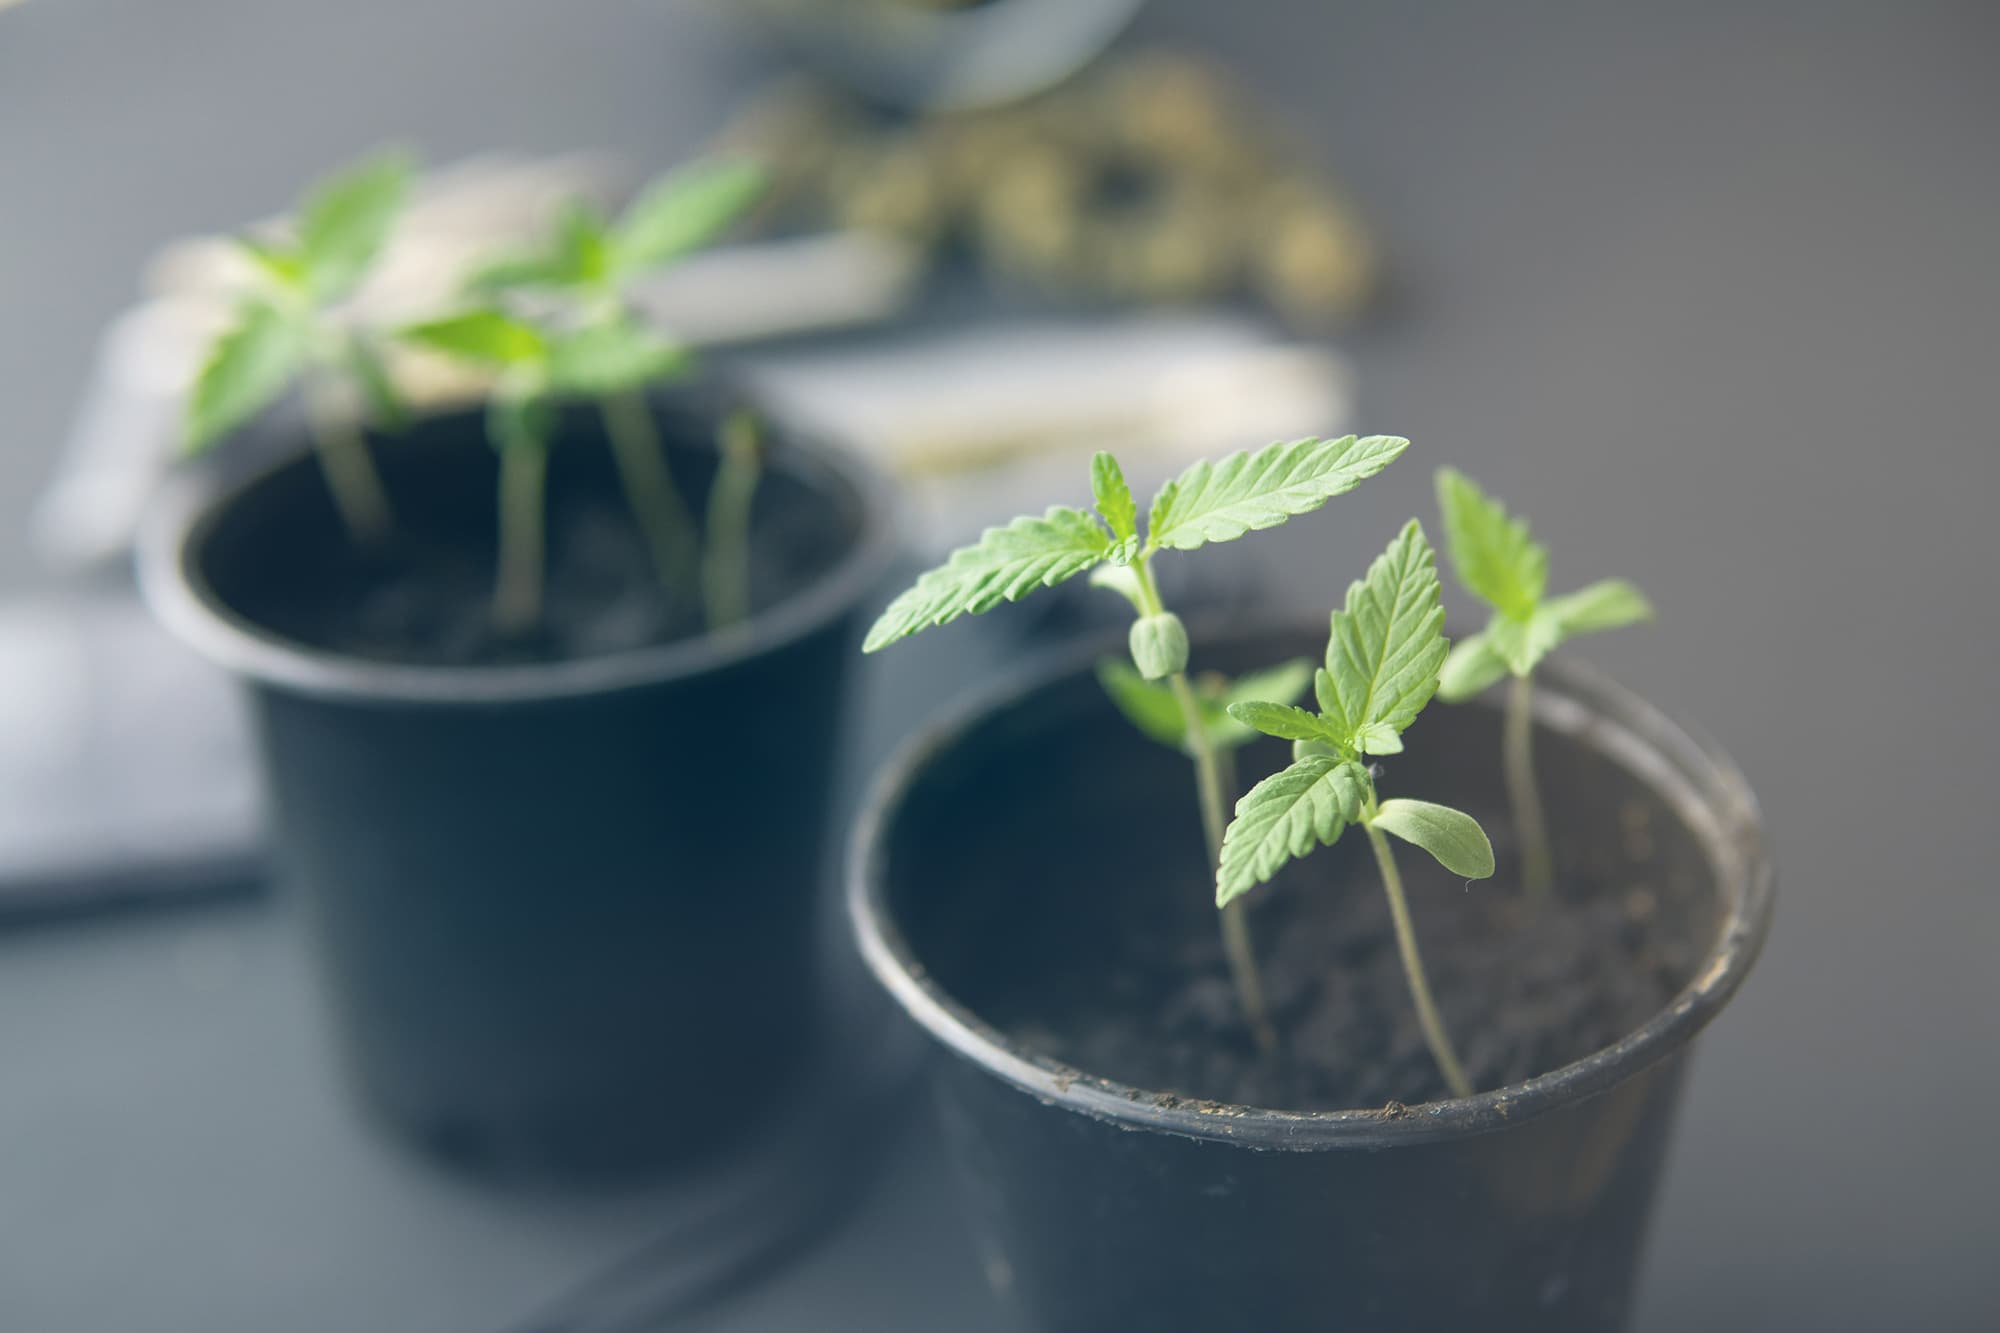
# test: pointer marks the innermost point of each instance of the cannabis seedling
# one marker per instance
(588, 268)
(533, 368)
(1209, 502)
(285, 332)
(1499, 562)
(1383, 654)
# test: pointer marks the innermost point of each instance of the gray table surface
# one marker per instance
(1713, 295)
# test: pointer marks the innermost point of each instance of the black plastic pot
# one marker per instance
(1098, 1205)
(565, 909)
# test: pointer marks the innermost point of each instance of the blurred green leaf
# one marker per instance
(346, 219)
(486, 336)
(612, 356)
(684, 211)
(247, 367)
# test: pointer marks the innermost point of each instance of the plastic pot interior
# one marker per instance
(215, 553)
(530, 886)
(943, 804)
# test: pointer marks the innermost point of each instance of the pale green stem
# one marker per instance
(517, 593)
(1537, 871)
(1236, 943)
(350, 473)
(725, 570)
(664, 521)
(1413, 968)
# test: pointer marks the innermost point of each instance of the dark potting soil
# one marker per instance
(428, 599)
(280, 558)
(1521, 992)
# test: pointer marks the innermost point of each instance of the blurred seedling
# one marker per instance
(286, 331)
(1384, 651)
(1207, 503)
(592, 346)
(1499, 562)
(586, 270)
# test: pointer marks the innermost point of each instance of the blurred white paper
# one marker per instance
(990, 420)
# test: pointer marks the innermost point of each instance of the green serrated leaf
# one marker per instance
(1114, 497)
(247, 367)
(486, 336)
(1497, 558)
(378, 388)
(684, 211)
(1607, 604)
(1522, 644)
(1147, 705)
(347, 217)
(1285, 816)
(1472, 665)
(612, 356)
(1217, 502)
(1452, 836)
(1285, 721)
(1005, 564)
(1386, 646)
(1279, 684)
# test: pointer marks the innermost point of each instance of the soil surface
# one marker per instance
(429, 599)
(280, 558)
(1522, 992)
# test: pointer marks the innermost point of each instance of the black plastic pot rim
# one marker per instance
(1569, 698)
(189, 506)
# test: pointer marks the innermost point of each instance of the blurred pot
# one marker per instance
(1099, 1205)
(564, 909)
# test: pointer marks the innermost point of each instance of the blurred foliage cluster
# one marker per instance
(1143, 180)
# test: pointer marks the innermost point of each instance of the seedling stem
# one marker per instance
(1413, 965)
(351, 478)
(517, 592)
(1236, 942)
(725, 572)
(661, 513)
(1537, 871)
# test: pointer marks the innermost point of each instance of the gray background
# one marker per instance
(1710, 290)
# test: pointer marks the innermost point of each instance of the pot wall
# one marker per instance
(1098, 1205)
(565, 911)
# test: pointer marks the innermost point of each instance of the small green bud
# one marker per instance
(1308, 749)
(1159, 645)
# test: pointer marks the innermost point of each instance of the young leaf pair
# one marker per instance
(1499, 561)
(1384, 651)
(593, 348)
(288, 331)
(285, 331)
(1207, 503)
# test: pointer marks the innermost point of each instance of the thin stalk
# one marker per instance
(350, 473)
(725, 568)
(1236, 943)
(517, 593)
(665, 523)
(1413, 969)
(1517, 745)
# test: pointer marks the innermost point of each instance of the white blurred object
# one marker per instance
(799, 285)
(990, 421)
